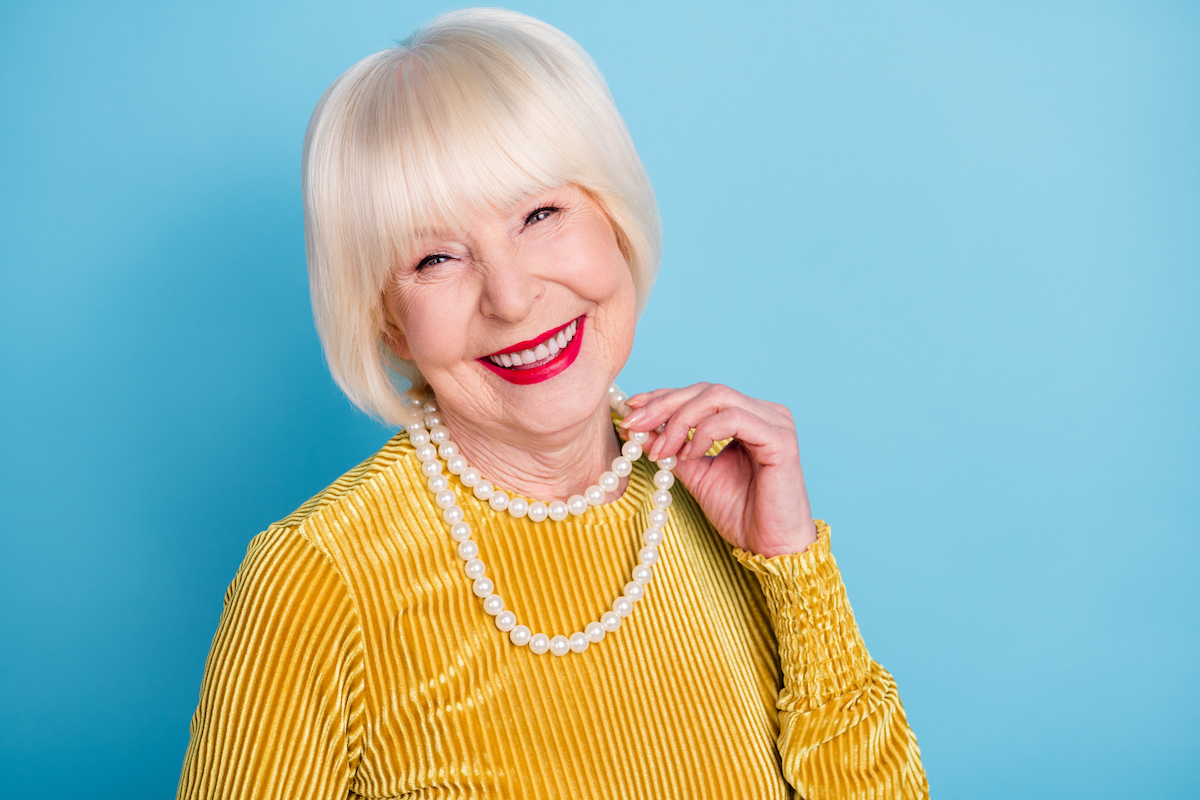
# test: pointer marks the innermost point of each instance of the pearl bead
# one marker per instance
(661, 428)
(434, 443)
(520, 635)
(430, 407)
(608, 481)
(493, 604)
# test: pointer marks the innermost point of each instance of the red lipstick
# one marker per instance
(542, 372)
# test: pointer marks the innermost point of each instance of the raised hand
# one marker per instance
(753, 490)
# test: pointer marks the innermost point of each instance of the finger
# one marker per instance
(712, 400)
(658, 409)
(767, 444)
(641, 398)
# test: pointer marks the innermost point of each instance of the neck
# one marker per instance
(541, 467)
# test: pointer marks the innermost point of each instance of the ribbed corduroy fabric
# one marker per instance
(353, 660)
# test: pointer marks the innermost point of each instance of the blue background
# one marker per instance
(960, 240)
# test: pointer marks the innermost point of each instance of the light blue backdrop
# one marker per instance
(960, 240)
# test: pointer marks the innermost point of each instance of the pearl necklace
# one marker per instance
(432, 440)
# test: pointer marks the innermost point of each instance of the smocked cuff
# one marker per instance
(821, 651)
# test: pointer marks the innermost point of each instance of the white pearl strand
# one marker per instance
(435, 441)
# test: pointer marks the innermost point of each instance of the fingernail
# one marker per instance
(631, 419)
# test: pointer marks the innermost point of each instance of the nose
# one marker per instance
(511, 289)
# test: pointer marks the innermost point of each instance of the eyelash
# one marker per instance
(429, 260)
(529, 220)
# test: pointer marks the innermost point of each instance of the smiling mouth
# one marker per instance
(538, 359)
(532, 354)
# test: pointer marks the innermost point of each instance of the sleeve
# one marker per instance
(842, 729)
(280, 710)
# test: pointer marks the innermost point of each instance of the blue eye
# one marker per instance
(433, 260)
(540, 215)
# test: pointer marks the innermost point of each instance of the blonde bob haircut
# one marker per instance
(476, 111)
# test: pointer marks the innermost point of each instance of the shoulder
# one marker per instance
(393, 456)
(350, 527)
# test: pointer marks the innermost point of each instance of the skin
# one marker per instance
(507, 275)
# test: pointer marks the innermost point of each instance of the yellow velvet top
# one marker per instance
(353, 660)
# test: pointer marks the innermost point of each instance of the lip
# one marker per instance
(531, 344)
(524, 377)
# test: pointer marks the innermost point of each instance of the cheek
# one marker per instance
(433, 330)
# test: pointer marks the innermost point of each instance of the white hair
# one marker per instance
(477, 110)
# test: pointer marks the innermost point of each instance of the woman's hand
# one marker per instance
(753, 490)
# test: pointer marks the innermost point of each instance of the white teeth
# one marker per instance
(551, 347)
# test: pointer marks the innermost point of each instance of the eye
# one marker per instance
(540, 215)
(432, 261)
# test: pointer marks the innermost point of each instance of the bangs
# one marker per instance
(453, 136)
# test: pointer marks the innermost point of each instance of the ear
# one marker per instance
(396, 341)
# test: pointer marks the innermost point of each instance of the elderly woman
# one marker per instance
(542, 588)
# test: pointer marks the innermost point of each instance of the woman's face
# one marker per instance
(521, 318)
